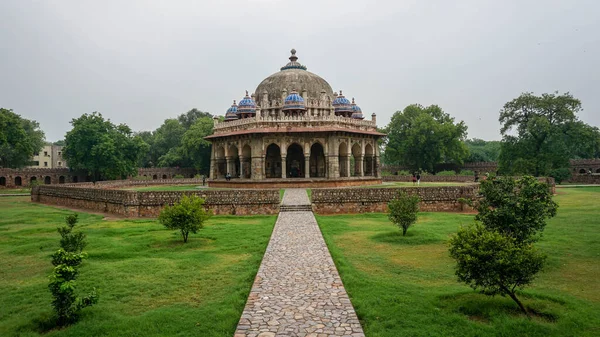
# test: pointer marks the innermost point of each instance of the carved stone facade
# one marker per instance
(298, 129)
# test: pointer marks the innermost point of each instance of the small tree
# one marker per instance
(403, 210)
(494, 263)
(188, 215)
(560, 174)
(496, 255)
(66, 263)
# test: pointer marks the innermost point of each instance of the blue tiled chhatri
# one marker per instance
(294, 102)
(232, 112)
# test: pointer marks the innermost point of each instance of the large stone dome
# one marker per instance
(293, 76)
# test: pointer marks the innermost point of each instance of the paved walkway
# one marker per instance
(298, 291)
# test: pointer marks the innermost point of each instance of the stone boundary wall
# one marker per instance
(108, 184)
(584, 179)
(432, 178)
(149, 204)
(366, 200)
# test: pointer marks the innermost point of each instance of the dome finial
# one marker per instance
(293, 58)
(353, 100)
(234, 102)
(340, 93)
(246, 92)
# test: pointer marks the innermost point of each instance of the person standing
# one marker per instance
(418, 178)
(414, 179)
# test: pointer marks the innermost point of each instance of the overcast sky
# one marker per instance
(140, 62)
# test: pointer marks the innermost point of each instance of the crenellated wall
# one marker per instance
(149, 204)
(366, 200)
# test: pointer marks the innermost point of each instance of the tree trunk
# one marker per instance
(514, 297)
(185, 235)
(404, 231)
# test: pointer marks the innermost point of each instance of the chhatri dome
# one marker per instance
(294, 131)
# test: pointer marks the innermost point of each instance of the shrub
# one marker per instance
(560, 174)
(466, 173)
(188, 215)
(66, 263)
(446, 173)
(178, 176)
(403, 210)
(142, 178)
(404, 173)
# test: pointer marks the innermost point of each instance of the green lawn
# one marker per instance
(15, 190)
(165, 188)
(391, 184)
(405, 286)
(151, 284)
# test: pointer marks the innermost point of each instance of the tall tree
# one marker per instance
(20, 139)
(541, 134)
(481, 150)
(195, 147)
(420, 137)
(102, 149)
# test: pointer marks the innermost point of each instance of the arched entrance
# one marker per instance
(220, 162)
(317, 161)
(273, 162)
(246, 162)
(47, 180)
(295, 161)
(582, 171)
(164, 176)
(18, 181)
(357, 160)
(344, 160)
(2, 181)
(61, 179)
(155, 177)
(32, 180)
(76, 179)
(233, 161)
(369, 160)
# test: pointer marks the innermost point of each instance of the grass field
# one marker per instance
(391, 184)
(405, 286)
(15, 190)
(150, 283)
(165, 188)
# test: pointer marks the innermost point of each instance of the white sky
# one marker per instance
(140, 62)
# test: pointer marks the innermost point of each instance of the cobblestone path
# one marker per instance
(298, 291)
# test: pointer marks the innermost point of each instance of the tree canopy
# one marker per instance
(180, 142)
(482, 150)
(102, 149)
(420, 137)
(20, 139)
(541, 134)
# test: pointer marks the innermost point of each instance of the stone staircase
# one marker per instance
(295, 208)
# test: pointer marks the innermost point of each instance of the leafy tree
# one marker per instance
(517, 208)
(494, 263)
(195, 147)
(62, 283)
(481, 150)
(541, 133)
(560, 174)
(403, 211)
(20, 139)
(102, 149)
(189, 118)
(188, 215)
(420, 137)
(496, 255)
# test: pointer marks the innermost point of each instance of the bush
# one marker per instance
(560, 174)
(66, 263)
(446, 173)
(404, 173)
(142, 178)
(178, 176)
(403, 210)
(466, 173)
(188, 215)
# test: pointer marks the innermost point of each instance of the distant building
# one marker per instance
(50, 156)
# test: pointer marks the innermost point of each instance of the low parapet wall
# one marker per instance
(149, 204)
(365, 200)
(432, 178)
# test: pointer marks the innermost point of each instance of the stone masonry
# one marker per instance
(298, 291)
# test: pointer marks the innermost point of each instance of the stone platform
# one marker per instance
(295, 182)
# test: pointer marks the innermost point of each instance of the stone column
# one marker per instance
(228, 165)
(361, 172)
(348, 172)
(307, 165)
(257, 168)
(283, 166)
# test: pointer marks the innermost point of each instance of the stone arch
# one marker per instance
(344, 160)
(233, 160)
(369, 161)
(154, 177)
(357, 159)
(220, 162)
(164, 176)
(61, 179)
(246, 162)
(317, 161)
(598, 170)
(47, 180)
(2, 181)
(582, 171)
(76, 179)
(295, 163)
(273, 161)
(18, 181)
(32, 179)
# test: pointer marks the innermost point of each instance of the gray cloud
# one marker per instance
(140, 62)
